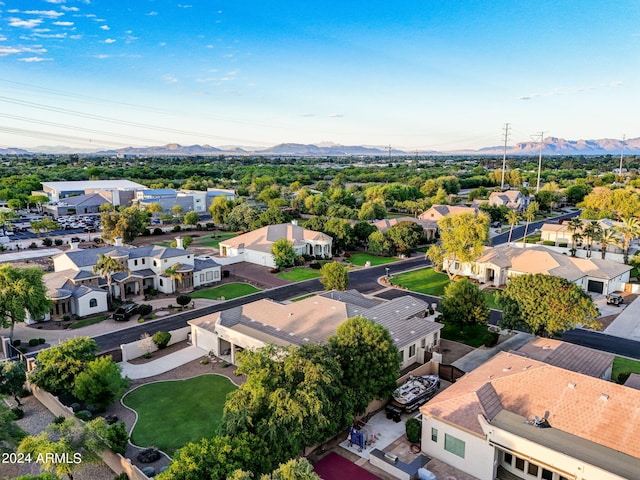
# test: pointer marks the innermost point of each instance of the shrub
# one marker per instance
(492, 339)
(145, 309)
(183, 300)
(299, 261)
(18, 413)
(161, 339)
(58, 241)
(33, 245)
(47, 242)
(75, 407)
(623, 377)
(58, 420)
(204, 361)
(148, 455)
(84, 415)
(315, 265)
(22, 349)
(117, 438)
(157, 231)
(562, 244)
(549, 243)
(66, 318)
(41, 341)
(210, 226)
(16, 342)
(97, 240)
(33, 342)
(110, 419)
(412, 427)
(122, 476)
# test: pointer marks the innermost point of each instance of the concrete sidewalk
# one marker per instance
(161, 365)
(479, 356)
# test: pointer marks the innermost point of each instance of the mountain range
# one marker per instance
(551, 146)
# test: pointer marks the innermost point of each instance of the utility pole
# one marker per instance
(622, 153)
(389, 148)
(504, 156)
(540, 161)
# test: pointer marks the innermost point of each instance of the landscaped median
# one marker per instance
(226, 291)
(174, 413)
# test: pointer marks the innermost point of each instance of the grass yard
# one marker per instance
(171, 414)
(228, 291)
(425, 280)
(213, 241)
(624, 365)
(490, 297)
(359, 259)
(298, 274)
(88, 321)
(474, 336)
(297, 299)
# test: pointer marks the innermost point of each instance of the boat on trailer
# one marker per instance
(415, 392)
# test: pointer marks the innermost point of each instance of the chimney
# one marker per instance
(179, 243)
(73, 245)
(118, 241)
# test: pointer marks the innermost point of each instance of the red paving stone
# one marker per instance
(335, 467)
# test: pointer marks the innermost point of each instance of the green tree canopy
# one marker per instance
(334, 276)
(283, 253)
(462, 238)
(127, 223)
(191, 218)
(100, 382)
(13, 375)
(22, 292)
(545, 305)
(341, 232)
(463, 304)
(241, 218)
(372, 210)
(219, 209)
(369, 360)
(57, 367)
(405, 236)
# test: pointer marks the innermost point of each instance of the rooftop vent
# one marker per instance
(571, 385)
(604, 396)
(506, 369)
(390, 457)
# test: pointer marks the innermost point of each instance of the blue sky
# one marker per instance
(417, 75)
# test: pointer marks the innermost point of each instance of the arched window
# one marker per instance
(93, 303)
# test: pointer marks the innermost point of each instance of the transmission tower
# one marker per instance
(504, 156)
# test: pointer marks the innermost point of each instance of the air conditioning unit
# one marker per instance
(390, 457)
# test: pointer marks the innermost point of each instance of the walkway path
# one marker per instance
(162, 364)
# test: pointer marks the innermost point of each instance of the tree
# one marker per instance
(378, 242)
(294, 469)
(177, 211)
(463, 304)
(183, 300)
(607, 237)
(127, 223)
(22, 292)
(361, 232)
(218, 457)
(13, 375)
(341, 232)
(529, 216)
(100, 382)
(241, 218)
(283, 253)
(334, 276)
(628, 230)
(37, 201)
(369, 360)
(57, 367)
(106, 266)
(191, 218)
(219, 209)
(545, 305)
(574, 225)
(10, 432)
(405, 236)
(513, 217)
(590, 232)
(154, 207)
(68, 439)
(372, 210)
(462, 238)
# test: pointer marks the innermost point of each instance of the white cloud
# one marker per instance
(101, 56)
(169, 78)
(63, 24)
(76, 37)
(184, 6)
(18, 22)
(4, 51)
(56, 2)
(50, 35)
(616, 84)
(110, 40)
(34, 59)
(70, 9)
(45, 13)
(151, 14)
(335, 115)
(105, 27)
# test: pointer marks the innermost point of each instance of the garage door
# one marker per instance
(595, 286)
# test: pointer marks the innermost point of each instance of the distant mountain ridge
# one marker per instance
(551, 146)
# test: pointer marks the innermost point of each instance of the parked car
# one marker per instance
(614, 299)
(125, 312)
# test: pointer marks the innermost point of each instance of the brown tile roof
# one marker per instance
(592, 409)
(387, 223)
(262, 238)
(438, 211)
(568, 356)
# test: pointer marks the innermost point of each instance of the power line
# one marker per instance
(504, 156)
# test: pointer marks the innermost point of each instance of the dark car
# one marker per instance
(124, 313)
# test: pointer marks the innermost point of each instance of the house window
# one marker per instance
(135, 262)
(202, 277)
(93, 303)
(454, 445)
(401, 353)
(161, 283)
(547, 474)
(508, 458)
(209, 275)
(520, 464)
(533, 469)
(412, 350)
(423, 343)
(434, 434)
(154, 263)
(216, 275)
(143, 261)
(435, 338)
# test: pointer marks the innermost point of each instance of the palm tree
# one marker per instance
(574, 225)
(590, 232)
(628, 230)
(513, 217)
(529, 215)
(607, 237)
(106, 267)
(174, 273)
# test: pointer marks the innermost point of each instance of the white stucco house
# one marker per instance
(497, 264)
(75, 289)
(436, 212)
(512, 199)
(518, 418)
(561, 234)
(313, 320)
(255, 247)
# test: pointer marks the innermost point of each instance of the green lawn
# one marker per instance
(425, 280)
(88, 321)
(228, 291)
(490, 297)
(214, 240)
(624, 365)
(474, 336)
(297, 299)
(359, 258)
(298, 274)
(171, 414)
